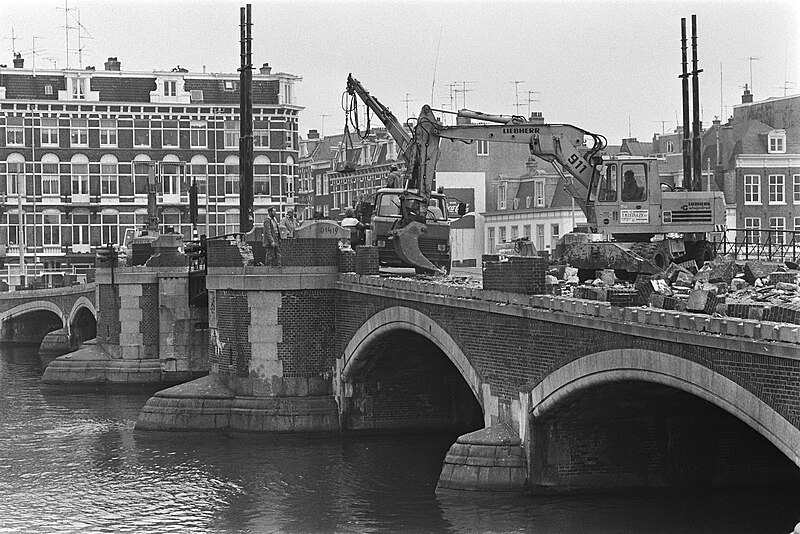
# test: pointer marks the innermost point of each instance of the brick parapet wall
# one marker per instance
(506, 354)
(748, 329)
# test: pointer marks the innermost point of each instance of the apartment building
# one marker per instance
(77, 146)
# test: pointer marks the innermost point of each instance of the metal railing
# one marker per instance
(197, 251)
(755, 244)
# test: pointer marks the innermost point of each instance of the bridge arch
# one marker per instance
(408, 319)
(669, 370)
(33, 306)
(82, 322)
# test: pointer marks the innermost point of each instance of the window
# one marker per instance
(109, 228)
(502, 234)
(80, 228)
(528, 202)
(634, 183)
(483, 147)
(538, 193)
(49, 132)
(51, 229)
(199, 171)
(141, 132)
(796, 189)
(171, 177)
(607, 189)
(778, 226)
(15, 178)
(797, 228)
(198, 134)
(232, 175)
(141, 171)
(752, 189)
(230, 85)
(170, 134)
(108, 132)
(109, 179)
(50, 180)
(261, 181)
(670, 146)
(539, 237)
(15, 131)
(776, 189)
(79, 132)
(501, 196)
(554, 232)
(777, 141)
(752, 232)
(78, 89)
(516, 203)
(13, 229)
(231, 134)
(170, 88)
(48, 89)
(490, 243)
(526, 231)
(514, 232)
(80, 178)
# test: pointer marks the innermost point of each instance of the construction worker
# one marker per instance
(394, 179)
(272, 239)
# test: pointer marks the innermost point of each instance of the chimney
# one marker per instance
(532, 165)
(265, 69)
(717, 123)
(18, 61)
(536, 117)
(112, 64)
(747, 97)
(313, 135)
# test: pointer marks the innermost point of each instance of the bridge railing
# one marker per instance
(37, 277)
(757, 244)
(197, 251)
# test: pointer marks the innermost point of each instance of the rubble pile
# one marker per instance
(723, 287)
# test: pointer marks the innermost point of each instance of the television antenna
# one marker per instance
(74, 26)
(516, 92)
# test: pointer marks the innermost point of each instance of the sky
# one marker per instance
(610, 67)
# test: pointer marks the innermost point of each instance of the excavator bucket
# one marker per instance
(406, 245)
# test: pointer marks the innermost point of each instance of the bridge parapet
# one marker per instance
(764, 333)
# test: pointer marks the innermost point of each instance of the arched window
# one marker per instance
(15, 174)
(51, 185)
(80, 178)
(232, 175)
(261, 177)
(109, 177)
(141, 168)
(290, 176)
(198, 170)
(171, 179)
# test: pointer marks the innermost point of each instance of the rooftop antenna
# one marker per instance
(322, 128)
(13, 40)
(751, 59)
(629, 126)
(80, 28)
(464, 91)
(407, 99)
(435, 63)
(516, 92)
(531, 99)
(663, 123)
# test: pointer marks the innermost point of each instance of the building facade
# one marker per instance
(77, 146)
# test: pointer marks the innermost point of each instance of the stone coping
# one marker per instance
(48, 292)
(746, 335)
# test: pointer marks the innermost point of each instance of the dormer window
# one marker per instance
(77, 87)
(170, 88)
(777, 142)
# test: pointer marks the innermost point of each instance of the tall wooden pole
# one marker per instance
(246, 124)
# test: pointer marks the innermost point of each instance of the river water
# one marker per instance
(73, 463)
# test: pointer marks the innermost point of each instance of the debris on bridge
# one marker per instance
(724, 287)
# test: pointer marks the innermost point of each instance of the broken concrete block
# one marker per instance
(607, 276)
(755, 269)
(702, 301)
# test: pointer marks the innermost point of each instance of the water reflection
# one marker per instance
(73, 463)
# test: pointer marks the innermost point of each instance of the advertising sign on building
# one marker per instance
(457, 195)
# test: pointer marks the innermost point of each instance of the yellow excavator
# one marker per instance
(639, 224)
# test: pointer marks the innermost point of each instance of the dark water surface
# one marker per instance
(73, 463)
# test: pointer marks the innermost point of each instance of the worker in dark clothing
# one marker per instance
(631, 190)
(394, 179)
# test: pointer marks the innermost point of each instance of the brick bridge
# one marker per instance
(592, 394)
(27, 316)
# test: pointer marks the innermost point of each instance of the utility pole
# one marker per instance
(516, 92)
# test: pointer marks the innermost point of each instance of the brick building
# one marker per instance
(76, 147)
